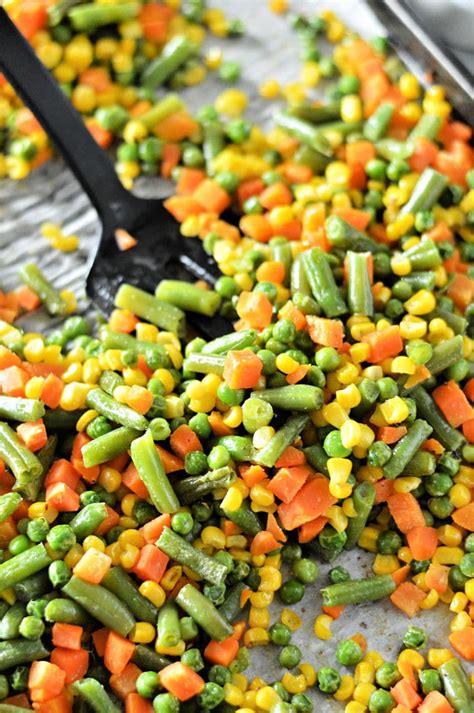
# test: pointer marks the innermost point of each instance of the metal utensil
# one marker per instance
(161, 251)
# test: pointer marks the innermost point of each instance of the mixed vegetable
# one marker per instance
(158, 491)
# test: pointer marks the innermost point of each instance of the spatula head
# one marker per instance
(160, 253)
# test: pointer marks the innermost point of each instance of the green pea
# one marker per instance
(31, 628)
(166, 703)
(327, 359)
(127, 152)
(61, 538)
(437, 484)
(376, 168)
(458, 371)
(193, 659)
(381, 701)
(402, 290)
(290, 656)
(229, 396)
(389, 542)
(252, 206)
(193, 157)
(23, 148)
(37, 529)
(147, 684)
(211, 696)
(301, 703)
(219, 674)
(430, 680)
(348, 653)
(469, 543)
(291, 552)
(305, 570)
(291, 592)
(457, 579)
(334, 447)
(182, 523)
(256, 413)
(19, 544)
(230, 71)
(397, 168)
(195, 463)
(466, 565)
(227, 180)
(387, 675)
(415, 638)
(269, 289)
(200, 425)
(59, 573)
(388, 388)
(280, 634)
(338, 574)
(218, 457)
(440, 507)
(349, 84)
(329, 679)
(379, 454)
(285, 331)
(238, 130)
(111, 118)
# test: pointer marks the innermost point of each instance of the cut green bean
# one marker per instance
(450, 437)
(205, 363)
(88, 17)
(376, 125)
(245, 518)
(299, 281)
(109, 380)
(147, 307)
(214, 141)
(108, 446)
(149, 660)
(66, 611)
(123, 586)
(33, 587)
(343, 235)
(424, 255)
(406, 447)
(8, 504)
(167, 106)
(147, 461)
(282, 252)
(101, 604)
(457, 686)
(318, 458)
(358, 591)
(283, 438)
(24, 465)
(115, 411)
(359, 290)
(421, 280)
(204, 613)
(294, 397)
(95, 695)
(88, 519)
(188, 297)
(190, 490)
(181, 551)
(10, 623)
(21, 651)
(169, 633)
(18, 409)
(445, 354)
(230, 342)
(423, 463)
(392, 149)
(118, 340)
(322, 282)
(174, 54)
(427, 127)
(316, 114)
(304, 132)
(428, 189)
(231, 607)
(32, 276)
(363, 498)
(239, 447)
(23, 565)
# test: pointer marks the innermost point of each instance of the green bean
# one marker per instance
(214, 142)
(363, 498)
(304, 132)
(239, 447)
(391, 149)
(147, 307)
(445, 355)
(32, 276)
(283, 438)
(60, 420)
(376, 125)
(329, 543)
(359, 290)
(358, 591)
(169, 633)
(24, 465)
(115, 411)
(323, 286)
(66, 611)
(109, 380)
(149, 660)
(294, 397)
(88, 17)
(306, 156)
(188, 297)
(181, 551)
(101, 604)
(7, 708)
(23, 565)
(316, 114)
(450, 437)
(58, 11)
(147, 461)
(428, 189)
(424, 256)
(231, 608)
(230, 342)
(4, 607)
(318, 458)
(88, 519)
(427, 126)
(190, 490)
(174, 54)
(95, 695)
(299, 281)
(245, 518)
(117, 340)
(421, 280)
(18, 409)
(123, 586)
(203, 612)
(10, 624)
(423, 463)
(8, 504)
(205, 363)
(33, 587)
(281, 252)
(342, 128)
(108, 446)
(457, 323)
(406, 448)
(21, 651)
(457, 687)
(46, 457)
(170, 104)
(343, 235)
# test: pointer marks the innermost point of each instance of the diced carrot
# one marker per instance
(118, 652)
(31, 17)
(407, 597)
(400, 574)
(252, 474)
(219, 428)
(274, 528)
(422, 542)
(434, 446)
(96, 77)
(225, 230)
(62, 471)
(464, 517)
(176, 127)
(8, 358)
(295, 315)
(52, 389)
(405, 694)
(441, 233)
(255, 308)
(384, 343)
(181, 681)
(189, 180)
(310, 502)
(124, 240)
(291, 230)
(242, 369)
(67, 636)
(122, 320)
(101, 136)
(406, 511)
(153, 529)
(274, 195)
(223, 652)
(27, 299)
(290, 457)
(73, 663)
(182, 207)
(359, 152)
(131, 479)
(13, 381)
(469, 389)
(436, 577)
(122, 684)
(309, 530)
(33, 434)
(263, 542)
(211, 196)
(359, 219)
(170, 155)
(58, 704)
(20, 700)
(423, 155)
(99, 638)
(452, 401)
(334, 612)
(112, 520)
(256, 227)
(271, 271)
(151, 564)
(119, 463)
(184, 441)
(249, 188)
(454, 263)
(93, 566)
(327, 332)
(296, 173)
(229, 528)
(171, 462)
(435, 702)
(45, 681)
(140, 399)
(468, 430)
(288, 481)
(154, 19)
(454, 131)
(7, 531)
(26, 122)
(62, 497)
(455, 162)
(463, 642)
(136, 704)
(391, 434)
(298, 375)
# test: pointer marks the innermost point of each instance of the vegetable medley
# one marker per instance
(158, 491)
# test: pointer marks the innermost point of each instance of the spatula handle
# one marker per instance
(41, 93)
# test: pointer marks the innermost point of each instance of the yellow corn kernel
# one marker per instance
(233, 417)
(290, 619)
(359, 352)
(72, 373)
(422, 302)
(459, 602)
(177, 650)
(465, 476)
(469, 589)
(364, 673)
(269, 89)
(142, 633)
(260, 495)
(34, 387)
(127, 522)
(92, 542)
(232, 500)
(256, 636)
(110, 479)
(171, 577)
(337, 518)
(153, 592)
(362, 692)
(460, 495)
(461, 621)
(385, 564)
(213, 536)
(241, 681)
(73, 556)
(400, 265)
(266, 698)
(355, 707)
(233, 695)
(410, 658)
(351, 108)
(34, 351)
(42, 510)
(448, 555)
(294, 92)
(286, 364)
(403, 365)
(294, 683)
(128, 503)
(348, 374)
(232, 102)
(348, 508)
(350, 433)
(85, 419)
(131, 537)
(374, 658)
(349, 397)
(412, 327)
(368, 538)
(346, 688)
(259, 617)
(406, 484)
(394, 410)
(322, 627)
(270, 579)
(74, 396)
(436, 657)
(309, 673)
(114, 551)
(431, 600)
(261, 599)
(339, 469)
(409, 86)
(129, 556)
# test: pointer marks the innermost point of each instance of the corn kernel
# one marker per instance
(394, 410)
(346, 688)
(364, 673)
(153, 592)
(293, 683)
(142, 633)
(385, 564)
(362, 692)
(461, 621)
(256, 637)
(290, 619)
(322, 627)
(448, 555)
(309, 673)
(436, 657)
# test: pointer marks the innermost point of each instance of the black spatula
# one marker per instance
(160, 252)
